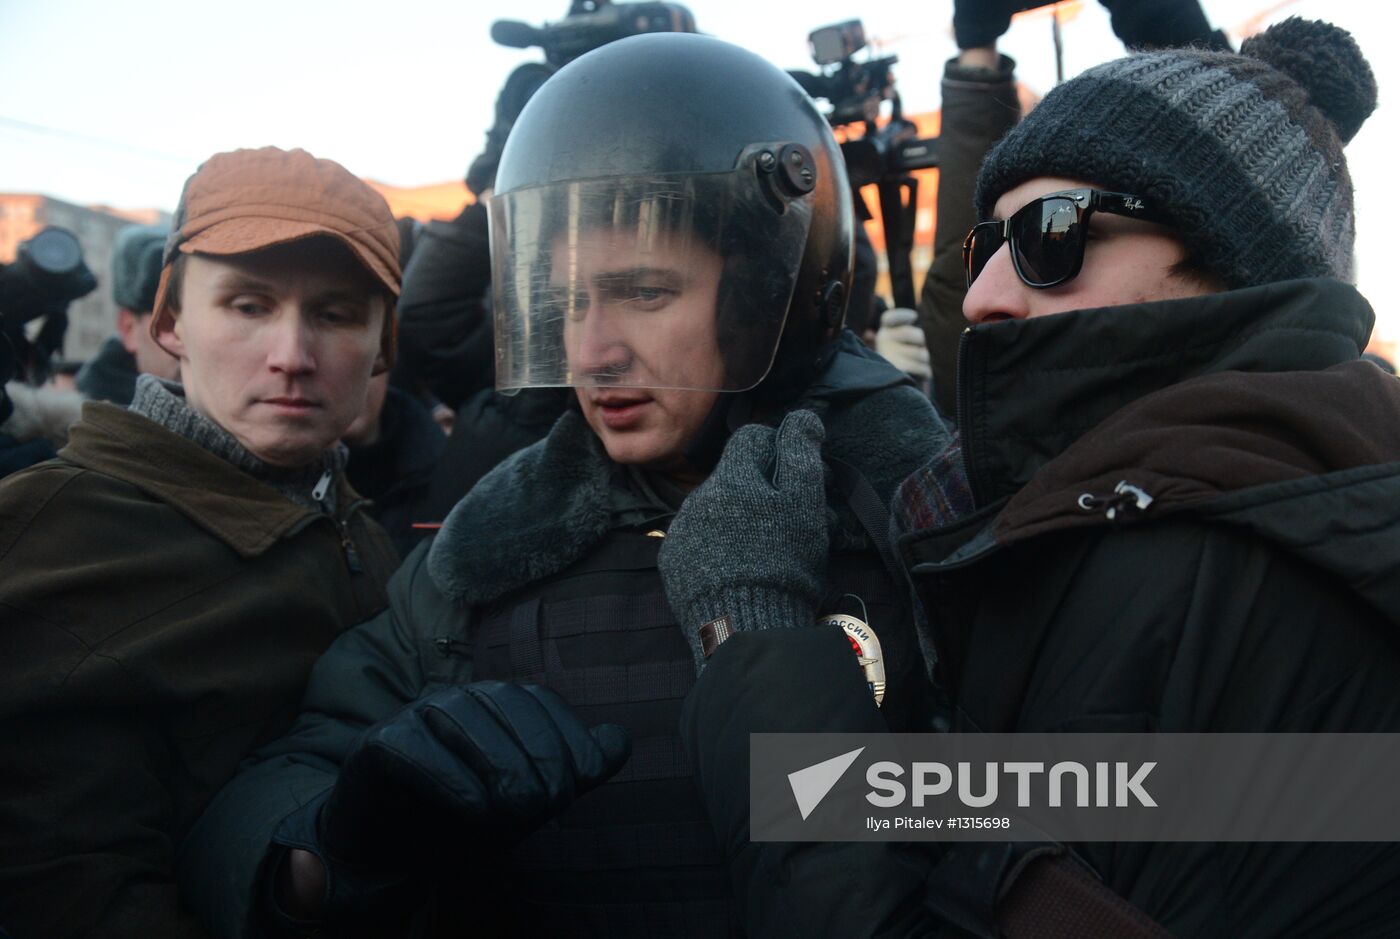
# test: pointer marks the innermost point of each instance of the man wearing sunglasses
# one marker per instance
(1173, 506)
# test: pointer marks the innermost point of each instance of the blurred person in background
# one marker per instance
(64, 376)
(394, 444)
(394, 447)
(111, 374)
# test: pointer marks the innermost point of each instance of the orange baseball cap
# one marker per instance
(247, 200)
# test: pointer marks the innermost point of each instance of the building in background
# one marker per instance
(436, 201)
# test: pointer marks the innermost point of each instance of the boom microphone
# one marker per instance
(516, 34)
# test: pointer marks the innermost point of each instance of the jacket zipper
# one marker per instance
(352, 556)
(961, 409)
(347, 544)
(342, 527)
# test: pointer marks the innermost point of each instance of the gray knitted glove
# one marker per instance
(748, 549)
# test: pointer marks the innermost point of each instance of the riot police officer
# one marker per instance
(671, 237)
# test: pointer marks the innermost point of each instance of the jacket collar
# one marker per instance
(247, 515)
(1027, 389)
(545, 506)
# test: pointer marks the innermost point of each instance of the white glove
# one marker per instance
(901, 341)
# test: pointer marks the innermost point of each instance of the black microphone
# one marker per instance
(516, 34)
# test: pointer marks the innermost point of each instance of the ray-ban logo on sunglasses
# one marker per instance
(1132, 204)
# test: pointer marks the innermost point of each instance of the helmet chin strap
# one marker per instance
(734, 409)
(730, 411)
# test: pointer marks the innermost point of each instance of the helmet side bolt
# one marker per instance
(799, 175)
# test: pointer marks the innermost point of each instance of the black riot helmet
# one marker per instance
(643, 169)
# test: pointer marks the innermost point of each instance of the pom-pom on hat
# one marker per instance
(1242, 152)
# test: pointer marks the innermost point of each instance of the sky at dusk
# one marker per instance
(117, 103)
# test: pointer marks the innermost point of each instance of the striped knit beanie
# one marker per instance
(1241, 152)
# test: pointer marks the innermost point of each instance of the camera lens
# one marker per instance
(55, 252)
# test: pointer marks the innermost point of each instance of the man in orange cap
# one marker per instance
(167, 582)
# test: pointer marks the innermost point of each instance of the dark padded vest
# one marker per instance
(636, 857)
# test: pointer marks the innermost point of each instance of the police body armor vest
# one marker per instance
(637, 857)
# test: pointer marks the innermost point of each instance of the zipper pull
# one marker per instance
(352, 556)
(322, 484)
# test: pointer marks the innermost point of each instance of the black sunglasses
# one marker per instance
(1047, 234)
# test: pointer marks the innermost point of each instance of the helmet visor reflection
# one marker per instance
(664, 282)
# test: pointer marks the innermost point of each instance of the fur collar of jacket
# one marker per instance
(545, 506)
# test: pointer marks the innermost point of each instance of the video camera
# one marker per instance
(47, 274)
(590, 24)
(883, 156)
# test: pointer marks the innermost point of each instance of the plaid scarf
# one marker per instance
(934, 495)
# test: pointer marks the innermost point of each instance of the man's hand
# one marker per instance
(1163, 24)
(474, 768)
(748, 549)
(979, 23)
(901, 341)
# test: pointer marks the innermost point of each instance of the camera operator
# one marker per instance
(111, 374)
(884, 156)
(47, 274)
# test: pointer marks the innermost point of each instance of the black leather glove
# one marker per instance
(1163, 24)
(978, 23)
(468, 769)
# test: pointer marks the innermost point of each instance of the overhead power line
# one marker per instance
(88, 139)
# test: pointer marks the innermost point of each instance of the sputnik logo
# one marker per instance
(811, 785)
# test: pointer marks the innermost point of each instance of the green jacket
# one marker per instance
(159, 613)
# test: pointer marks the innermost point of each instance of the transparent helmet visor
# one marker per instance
(658, 282)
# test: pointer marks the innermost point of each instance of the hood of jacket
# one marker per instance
(1272, 424)
(544, 506)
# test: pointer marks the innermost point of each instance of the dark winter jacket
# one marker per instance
(160, 611)
(489, 427)
(539, 517)
(447, 345)
(1258, 590)
(445, 330)
(394, 472)
(110, 375)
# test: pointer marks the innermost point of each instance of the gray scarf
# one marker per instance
(164, 402)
